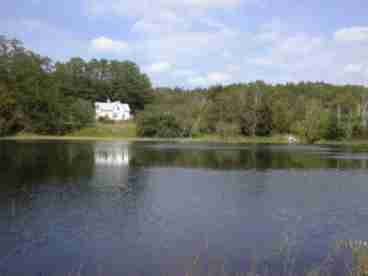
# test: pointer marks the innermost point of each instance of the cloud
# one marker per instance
(198, 81)
(198, 35)
(183, 73)
(269, 32)
(164, 22)
(187, 47)
(353, 68)
(159, 67)
(139, 8)
(291, 51)
(217, 77)
(211, 3)
(43, 37)
(352, 34)
(299, 44)
(180, 32)
(233, 68)
(104, 44)
(212, 78)
(262, 61)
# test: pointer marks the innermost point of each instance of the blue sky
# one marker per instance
(191, 43)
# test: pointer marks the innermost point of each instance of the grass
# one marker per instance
(275, 139)
(108, 130)
(355, 143)
(100, 131)
(127, 131)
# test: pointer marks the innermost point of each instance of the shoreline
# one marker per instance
(276, 140)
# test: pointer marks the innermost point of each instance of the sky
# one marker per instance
(199, 43)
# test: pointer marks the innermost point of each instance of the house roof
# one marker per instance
(110, 106)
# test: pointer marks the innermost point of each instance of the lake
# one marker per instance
(111, 208)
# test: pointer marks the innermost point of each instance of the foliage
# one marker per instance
(105, 120)
(99, 80)
(314, 126)
(313, 111)
(39, 97)
(82, 113)
(108, 130)
(154, 123)
(227, 130)
(282, 114)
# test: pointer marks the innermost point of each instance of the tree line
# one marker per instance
(40, 96)
(312, 111)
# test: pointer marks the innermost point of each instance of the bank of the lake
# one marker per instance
(279, 139)
(127, 131)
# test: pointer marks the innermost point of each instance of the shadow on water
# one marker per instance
(111, 208)
(260, 157)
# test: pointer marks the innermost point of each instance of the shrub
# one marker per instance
(153, 123)
(314, 126)
(226, 130)
(105, 120)
(83, 113)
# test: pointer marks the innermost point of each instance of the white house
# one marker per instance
(292, 140)
(115, 111)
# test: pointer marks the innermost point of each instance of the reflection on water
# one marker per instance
(112, 165)
(259, 157)
(148, 209)
(112, 156)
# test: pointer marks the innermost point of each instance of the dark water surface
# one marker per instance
(108, 208)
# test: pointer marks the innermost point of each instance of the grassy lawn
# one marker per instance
(108, 130)
(127, 131)
(123, 130)
(275, 139)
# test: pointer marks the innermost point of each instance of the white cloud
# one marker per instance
(291, 52)
(353, 34)
(187, 46)
(353, 68)
(44, 38)
(140, 8)
(269, 32)
(261, 61)
(184, 73)
(210, 22)
(233, 68)
(32, 25)
(160, 23)
(163, 33)
(212, 78)
(105, 44)
(211, 3)
(159, 67)
(198, 81)
(218, 77)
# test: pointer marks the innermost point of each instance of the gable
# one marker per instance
(112, 107)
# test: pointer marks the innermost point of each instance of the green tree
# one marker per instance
(155, 123)
(314, 126)
(31, 98)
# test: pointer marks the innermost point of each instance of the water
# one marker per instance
(108, 208)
